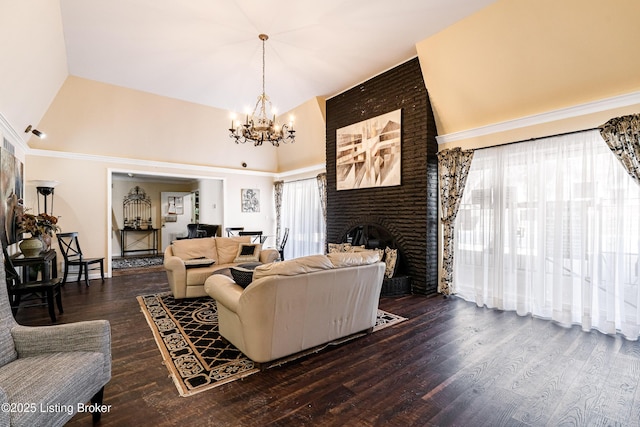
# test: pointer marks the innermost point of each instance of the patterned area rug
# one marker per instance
(198, 358)
(136, 262)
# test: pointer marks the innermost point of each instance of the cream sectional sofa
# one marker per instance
(190, 262)
(298, 304)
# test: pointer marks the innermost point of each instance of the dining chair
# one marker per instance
(41, 292)
(192, 231)
(256, 235)
(72, 254)
(231, 231)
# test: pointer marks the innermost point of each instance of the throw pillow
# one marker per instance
(198, 262)
(390, 259)
(248, 252)
(338, 247)
(242, 276)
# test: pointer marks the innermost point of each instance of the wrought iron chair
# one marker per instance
(257, 235)
(70, 248)
(231, 231)
(43, 291)
(192, 231)
(285, 237)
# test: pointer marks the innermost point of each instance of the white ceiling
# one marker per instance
(208, 51)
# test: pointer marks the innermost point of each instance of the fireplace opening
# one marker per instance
(374, 236)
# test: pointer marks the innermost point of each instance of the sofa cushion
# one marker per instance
(197, 275)
(188, 249)
(248, 252)
(351, 259)
(293, 267)
(228, 247)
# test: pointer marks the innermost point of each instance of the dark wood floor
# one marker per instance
(450, 364)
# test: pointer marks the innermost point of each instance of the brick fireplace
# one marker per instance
(408, 212)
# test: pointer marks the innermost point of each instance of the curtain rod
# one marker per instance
(540, 137)
(295, 180)
(299, 179)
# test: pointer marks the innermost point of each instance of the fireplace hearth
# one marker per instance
(375, 236)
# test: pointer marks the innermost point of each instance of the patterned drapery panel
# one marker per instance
(322, 188)
(453, 169)
(278, 187)
(622, 135)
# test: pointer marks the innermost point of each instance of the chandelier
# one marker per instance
(258, 127)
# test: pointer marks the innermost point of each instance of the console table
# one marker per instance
(140, 234)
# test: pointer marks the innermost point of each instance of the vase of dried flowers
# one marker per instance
(41, 227)
(31, 247)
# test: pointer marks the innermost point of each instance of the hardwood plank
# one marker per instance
(451, 363)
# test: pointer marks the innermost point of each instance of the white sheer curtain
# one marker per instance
(552, 228)
(302, 214)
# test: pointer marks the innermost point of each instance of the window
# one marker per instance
(552, 228)
(302, 214)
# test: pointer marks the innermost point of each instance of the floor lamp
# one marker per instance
(45, 189)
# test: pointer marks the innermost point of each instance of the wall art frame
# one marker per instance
(11, 190)
(250, 198)
(368, 153)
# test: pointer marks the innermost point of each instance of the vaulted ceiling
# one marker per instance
(208, 52)
(483, 61)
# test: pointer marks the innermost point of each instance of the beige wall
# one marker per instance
(100, 119)
(95, 128)
(310, 146)
(518, 58)
(34, 63)
(83, 199)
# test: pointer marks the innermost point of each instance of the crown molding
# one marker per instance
(542, 118)
(121, 161)
(11, 135)
(318, 168)
(145, 163)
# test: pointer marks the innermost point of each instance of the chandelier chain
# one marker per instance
(263, 69)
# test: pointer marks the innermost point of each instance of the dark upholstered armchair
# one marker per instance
(48, 373)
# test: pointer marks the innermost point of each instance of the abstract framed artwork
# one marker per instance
(368, 153)
(11, 190)
(250, 200)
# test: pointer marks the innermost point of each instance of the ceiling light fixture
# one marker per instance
(36, 132)
(258, 128)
